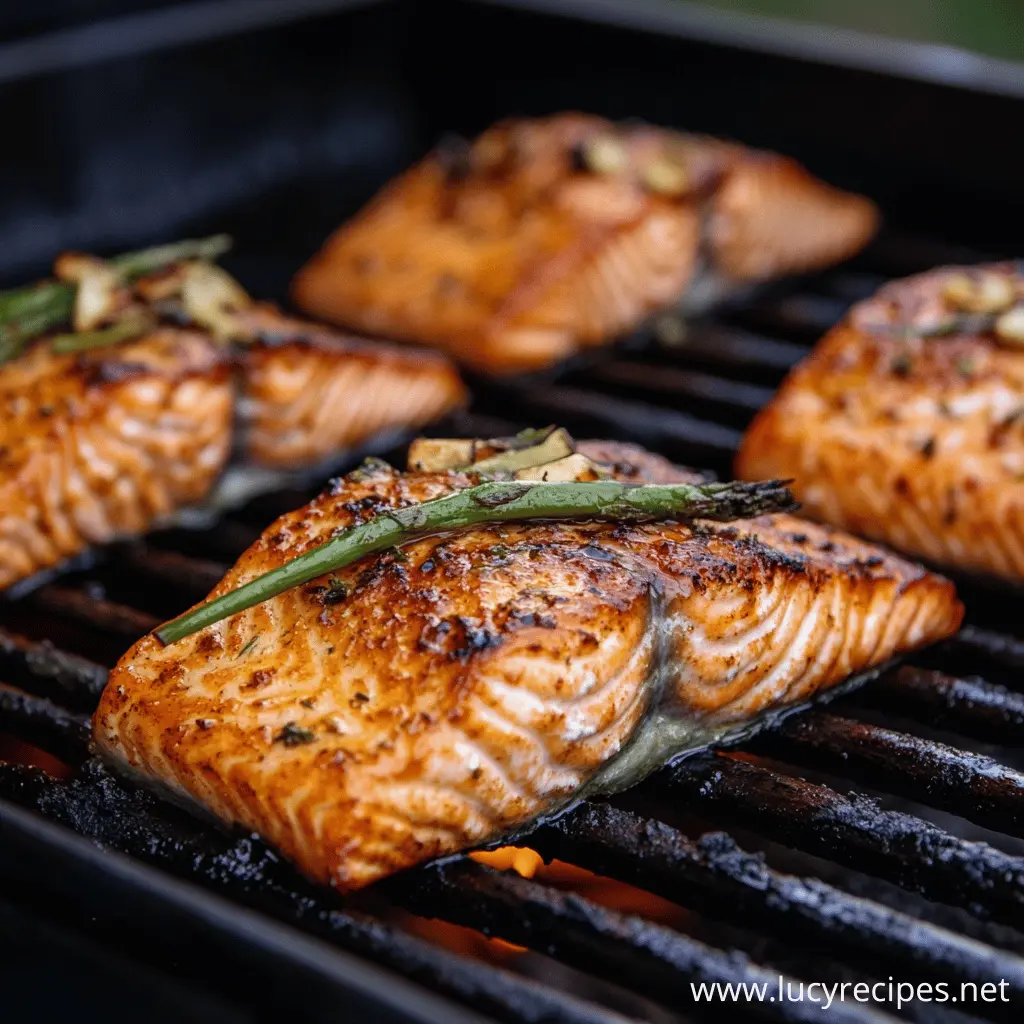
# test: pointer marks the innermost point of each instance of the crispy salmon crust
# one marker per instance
(106, 443)
(414, 705)
(906, 425)
(516, 253)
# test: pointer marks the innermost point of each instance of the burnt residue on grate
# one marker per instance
(971, 707)
(692, 400)
(715, 876)
(575, 930)
(855, 831)
(971, 785)
(44, 669)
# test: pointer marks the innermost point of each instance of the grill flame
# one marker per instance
(521, 859)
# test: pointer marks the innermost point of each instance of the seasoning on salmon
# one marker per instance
(906, 424)
(459, 690)
(548, 236)
(112, 427)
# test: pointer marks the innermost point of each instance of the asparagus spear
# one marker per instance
(145, 261)
(28, 312)
(133, 326)
(487, 503)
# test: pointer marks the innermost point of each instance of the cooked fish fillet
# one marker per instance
(550, 235)
(318, 392)
(106, 443)
(906, 424)
(417, 704)
(102, 444)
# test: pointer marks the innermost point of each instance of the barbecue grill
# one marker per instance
(878, 837)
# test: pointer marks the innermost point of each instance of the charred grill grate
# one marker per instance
(924, 884)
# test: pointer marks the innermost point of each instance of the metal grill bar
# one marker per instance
(971, 785)
(855, 832)
(734, 348)
(578, 931)
(226, 538)
(971, 707)
(108, 616)
(803, 314)
(680, 383)
(44, 724)
(714, 876)
(988, 646)
(172, 568)
(45, 670)
(650, 424)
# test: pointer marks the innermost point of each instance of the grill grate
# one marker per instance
(916, 874)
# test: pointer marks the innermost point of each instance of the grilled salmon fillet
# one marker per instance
(424, 701)
(906, 424)
(109, 441)
(550, 235)
(313, 392)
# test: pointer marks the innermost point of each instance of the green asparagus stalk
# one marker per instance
(26, 313)
(490, 503)
(132, 326)
(146, 261)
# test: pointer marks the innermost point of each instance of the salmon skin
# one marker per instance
(110, 441)
(548, 236)
(906, 424)
(470, 685)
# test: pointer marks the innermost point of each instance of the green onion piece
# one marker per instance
(52, 299)
(129, 327)
(486, 503)
(530, 436)
(14, 336)
(146, 261)
(557, 444)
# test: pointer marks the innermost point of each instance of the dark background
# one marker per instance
(278, 133)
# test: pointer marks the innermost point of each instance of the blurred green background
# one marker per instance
(995, 27)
